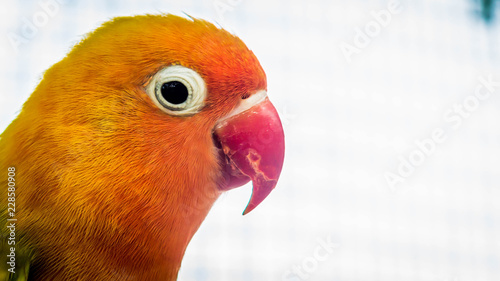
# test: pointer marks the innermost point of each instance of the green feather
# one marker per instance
(23, 255)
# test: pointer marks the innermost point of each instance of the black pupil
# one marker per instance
(174, 92)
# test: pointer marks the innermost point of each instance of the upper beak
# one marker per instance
(253, 142)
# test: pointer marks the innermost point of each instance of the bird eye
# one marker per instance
(177, 90)
(174, 92)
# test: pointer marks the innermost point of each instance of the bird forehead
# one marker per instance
(135, 48)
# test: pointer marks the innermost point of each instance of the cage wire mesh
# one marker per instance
(392, 168)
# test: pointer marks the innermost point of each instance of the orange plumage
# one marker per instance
(109, 186)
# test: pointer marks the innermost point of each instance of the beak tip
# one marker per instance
(246, 211)
(250, 207)
(260, 191)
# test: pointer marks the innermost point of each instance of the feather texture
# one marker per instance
(109, 186)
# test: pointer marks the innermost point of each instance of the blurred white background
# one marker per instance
(357, 89)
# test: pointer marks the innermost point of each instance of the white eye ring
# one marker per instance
(175, 74)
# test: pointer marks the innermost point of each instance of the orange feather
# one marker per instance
(109, 186)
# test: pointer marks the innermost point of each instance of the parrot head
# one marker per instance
(128, 141)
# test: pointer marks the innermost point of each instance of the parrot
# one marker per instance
(121, 150)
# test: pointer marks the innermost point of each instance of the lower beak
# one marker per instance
(254, 146)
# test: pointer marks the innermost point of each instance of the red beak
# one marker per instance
(254, 146)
